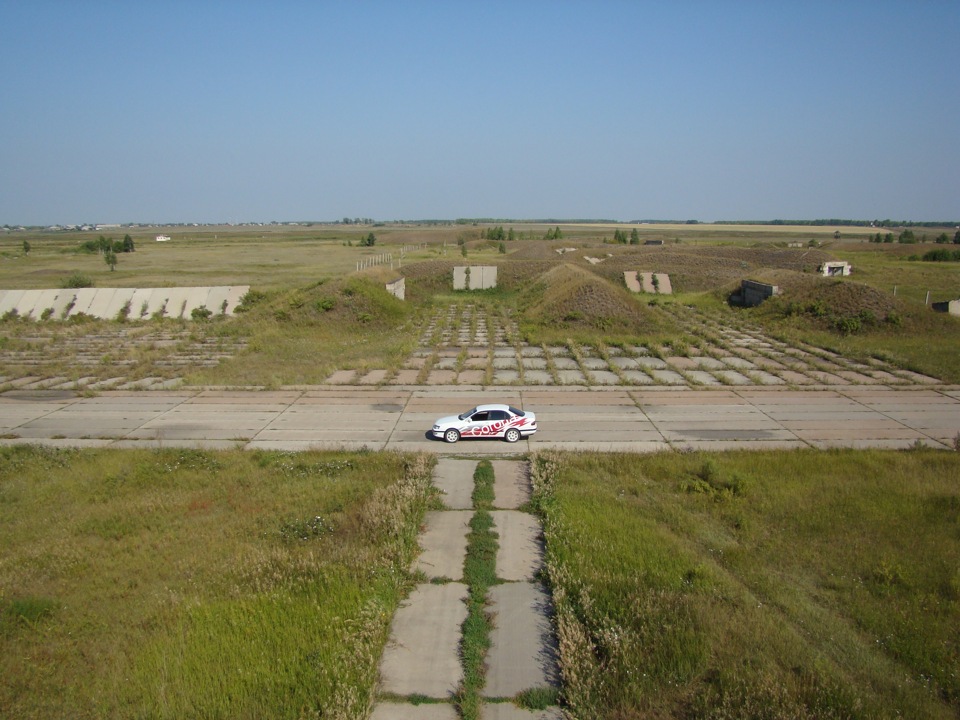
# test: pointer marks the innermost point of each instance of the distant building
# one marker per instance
(653, 242)
(163, 238)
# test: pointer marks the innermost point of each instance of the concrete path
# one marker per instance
(574, 418)
(421, 658)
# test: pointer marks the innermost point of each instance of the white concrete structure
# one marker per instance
(835, 269)
(398, 288)
(106, 303)
(477, 277)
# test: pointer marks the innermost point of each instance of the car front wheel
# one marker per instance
(511, 435)
(451, 435)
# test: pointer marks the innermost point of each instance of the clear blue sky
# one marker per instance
(234, 111)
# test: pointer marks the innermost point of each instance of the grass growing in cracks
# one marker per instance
(479, 572)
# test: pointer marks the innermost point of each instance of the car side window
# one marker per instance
(498, 415)
(480, 417)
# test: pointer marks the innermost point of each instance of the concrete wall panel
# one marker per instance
(663, 284)
(10, 300)
(120, 298)
(82, 302)
(28, 301)
(46, 300)
(140, 303)
(459, 278)
(101, 301)
(215, 299)
(234, 296)
(177, 299)
(64, 299)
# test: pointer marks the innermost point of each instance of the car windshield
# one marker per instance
(519, 413)
(468, 413)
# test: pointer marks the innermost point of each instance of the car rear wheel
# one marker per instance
(451, 435)
(511, 435)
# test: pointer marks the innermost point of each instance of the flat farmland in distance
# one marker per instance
(267, 258)
(273, 257)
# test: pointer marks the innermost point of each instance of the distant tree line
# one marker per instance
(908, 237)
(497, 234)
(845, 223)
(942, 255)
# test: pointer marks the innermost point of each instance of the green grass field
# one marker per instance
(181, 583)
(756, 585)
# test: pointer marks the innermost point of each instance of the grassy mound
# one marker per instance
(354, 300)
(698, 269)
(827, 303)
(569, 298)
(302, 335)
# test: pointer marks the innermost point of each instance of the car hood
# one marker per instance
(449, 420)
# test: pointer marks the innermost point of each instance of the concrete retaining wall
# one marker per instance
(643, 282)
(398, 288)
(753, 292)
(479, 277)
(106, 303)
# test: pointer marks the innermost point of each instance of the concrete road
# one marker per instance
(576, 418)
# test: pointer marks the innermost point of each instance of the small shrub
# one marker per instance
(124, 312)
(250, 298)
(11, 315)
(847, 325)
(77, 280)
(201, 313)
(326, 304)
(47, 313)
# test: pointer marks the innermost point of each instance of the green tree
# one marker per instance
(369, 241)
(26, 247)
(511, 235)
(502, 248)
(104, 244)
(907, 237)
(110, 258)
(557, 234)
(128, 243)
(956, 238)
(634, 237)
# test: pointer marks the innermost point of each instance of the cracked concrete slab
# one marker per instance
(454, 479)
(421, 657)
(520, 549)
(444, 543)
(522, 650)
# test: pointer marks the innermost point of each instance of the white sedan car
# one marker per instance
(487, 421)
